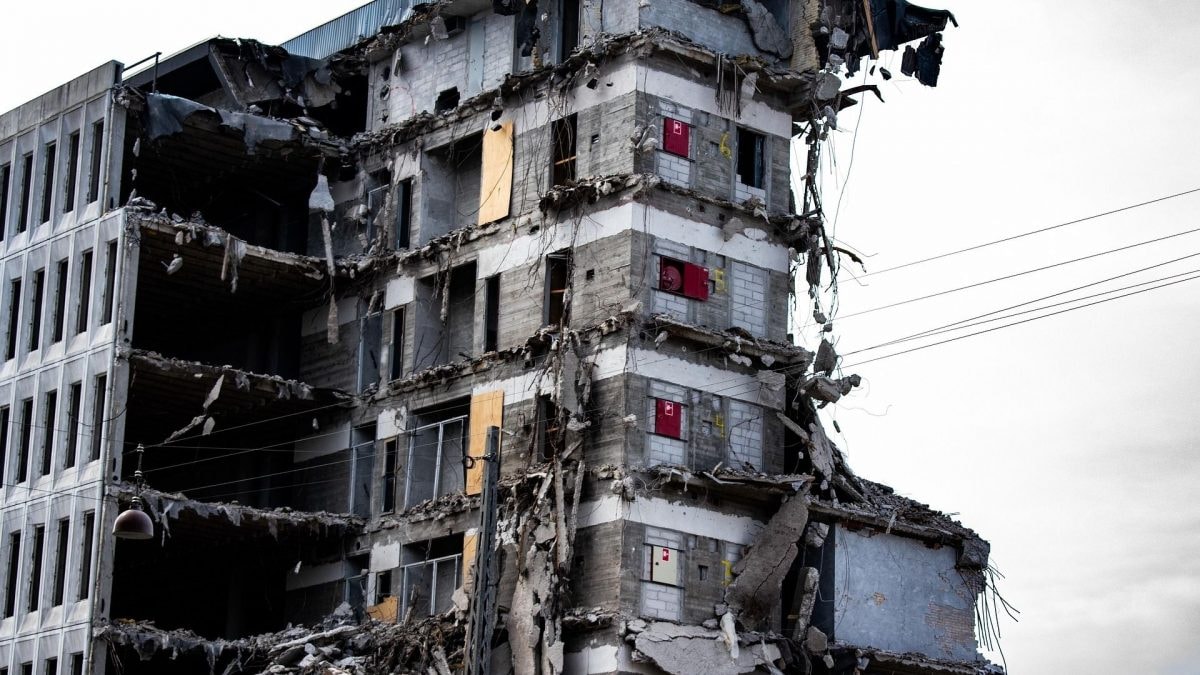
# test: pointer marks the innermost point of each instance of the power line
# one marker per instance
(1032, 232)
(1019, 274)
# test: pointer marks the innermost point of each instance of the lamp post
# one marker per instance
(133, 523)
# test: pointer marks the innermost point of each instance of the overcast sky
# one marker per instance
(1070, 442)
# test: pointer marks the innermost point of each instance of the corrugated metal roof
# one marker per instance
(348, 29)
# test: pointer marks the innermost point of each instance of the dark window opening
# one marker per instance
(10, 584)
(26, 437)
(403, 213)
(110, 281)
(369, 345)
(98, 415)
(51, 666)
(558, 277)
(683, 278)
(49, 431)
(73, 403)
(35, 577)
(390, 457)
(85, 555)
(85, 292)
(444, 325)
(27, 668)
(396, 354)
(35, 314)
(26, 190)
(4, 419)
(702, 572)
(5, 179)
(568, 36)
(76, 664)
(563, 133)
(447, 100)
(60, 302)
(383, 586)
(751, 162)
(94, 175)
(48, 159)
(14, 314)
(550, 429)
(491, 315)
(72, 172)
(363, 438)
(60, 561)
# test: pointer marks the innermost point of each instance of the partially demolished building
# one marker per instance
(456, 336)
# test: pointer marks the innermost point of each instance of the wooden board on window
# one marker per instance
(386, 610)
(495, 183)
(487, 410)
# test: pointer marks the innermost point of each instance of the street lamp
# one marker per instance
(133, 523)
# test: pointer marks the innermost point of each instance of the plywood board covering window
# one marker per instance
(495, 186)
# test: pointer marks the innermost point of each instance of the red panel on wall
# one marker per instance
(675, 137)
(695, 281)
(668, 416)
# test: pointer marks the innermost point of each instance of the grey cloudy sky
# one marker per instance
(1071, 442)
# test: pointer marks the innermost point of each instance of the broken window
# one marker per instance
(14, 314)
(74, 401)
(431, 572)
(60, 302)
(35, 577)
(491, 314)
(683, 278)
(72, 168)
(396, 350)
(445, 318)
(49, 429)
(383, 586)
(48, 158)
(390, 458)
(562, 136)
(450, 187)
(676, 137)
(26, 438)
(369, 345)
(94, 175)
(377, 202)
(26, 190)
(35, 314)
(447, 100)
(549, 427)
(558, 278)
(85, 555)
(5, 179)
(110, 282)
(403, 213)
(85, 291)
(98, 394)
(435, 455)
(364, 463)
(60, 561)
(751, 159)
(10, 584)
(568, 34)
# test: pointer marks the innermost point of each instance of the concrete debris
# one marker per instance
(686, 650)
(758, 576)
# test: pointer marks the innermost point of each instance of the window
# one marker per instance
(85, 291)
(49, 430)
(558, 276)
(27, 668)
(110, 281)
(377, 202)
(26, 433)
(396, 353)
(73, 409)
(26, 189)
(682, 278)
(48, 158)
(431, 572)
(435, 456)
(35, 314)
(668, 418)
(403, 213)
(85, 554)
(14, 314)
(35, 578)
(97, 158)
(98, 395)
(10, 584)
(72, 172)
(383, 586)
(5, 179)
(76, 664)
(390, 455)
(60, 560)
(549, 427)
(751, 162)
(676, 137)
(60, 303)
(363, 440)
(447, 100)
(562, 135)
(491, 314)
(4, 417)
(51, 666)
(568, 36)
(369, 344)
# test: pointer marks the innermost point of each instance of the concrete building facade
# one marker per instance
(456, 337)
